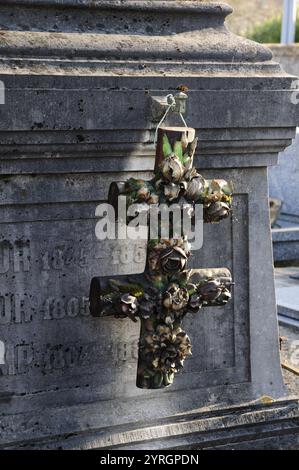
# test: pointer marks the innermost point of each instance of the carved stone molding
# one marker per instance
(146, 36)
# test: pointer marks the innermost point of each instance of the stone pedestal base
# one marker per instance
(273, 425)
(286, 238)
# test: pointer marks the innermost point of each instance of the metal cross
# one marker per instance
(166, 291)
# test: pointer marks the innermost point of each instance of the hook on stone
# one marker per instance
(177, 104)
(163, 105)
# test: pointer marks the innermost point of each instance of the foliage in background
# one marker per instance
(247, 14)
(269, 31)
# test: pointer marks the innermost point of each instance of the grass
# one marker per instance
(269, 31)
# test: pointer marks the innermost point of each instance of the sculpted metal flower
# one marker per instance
(172, 191)
(225, 296)
(128, 304)
(195, 302)
(154, 199)
(169, 256)
(153, 259)
(165, 350)
(221, 186)
(173, 260)
(172, 169)
(146, 309)
(195, 188)
(175, 298)
(210, 291)
(217, 211)
(143, 194)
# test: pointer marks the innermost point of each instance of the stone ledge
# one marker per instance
(220, 47)
(291, 50)
(218, 8)
(161, 31)
(252, 422)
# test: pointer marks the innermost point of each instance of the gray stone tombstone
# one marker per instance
(284, 177)
(79, 77)
(283, 185)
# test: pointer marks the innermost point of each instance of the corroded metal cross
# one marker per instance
(166, 291)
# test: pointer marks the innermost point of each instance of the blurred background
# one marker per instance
(257, 19)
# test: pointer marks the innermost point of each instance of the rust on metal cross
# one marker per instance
(166, 291)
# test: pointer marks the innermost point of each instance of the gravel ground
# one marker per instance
(290, 355)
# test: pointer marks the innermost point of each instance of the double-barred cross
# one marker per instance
(166, 291)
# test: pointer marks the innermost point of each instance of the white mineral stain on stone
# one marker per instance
(2, 352)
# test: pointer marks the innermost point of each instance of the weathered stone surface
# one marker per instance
(283, 184)
(284, 179)
(77, 116)
(254, 426)
(287, 56)
(287, 294)
(286, 239)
